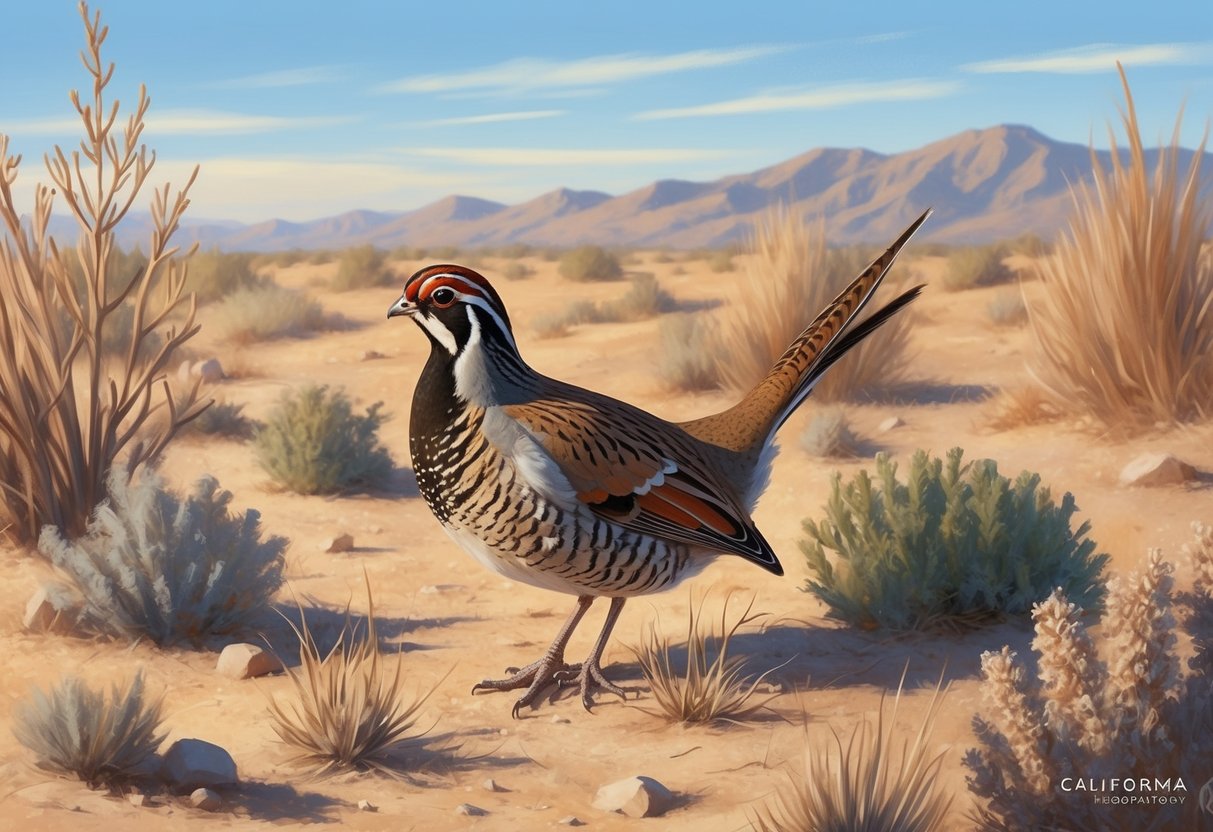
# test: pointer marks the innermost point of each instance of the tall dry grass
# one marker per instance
(1124, 327)
(67, 411)
(789, 277)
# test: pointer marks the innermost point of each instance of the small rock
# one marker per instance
(469, 809)
(192, 764)
(889, 424)
(246, 661)
(206, 800)
(438, 589)
(366, 806)
(571, 820)
(184, 370)
(136, 799)
(52, 609)
(370, 355)
(210, 371)
(492, 785)
(636, 797)
(340, 543)
(1157, 469)
(557, 719)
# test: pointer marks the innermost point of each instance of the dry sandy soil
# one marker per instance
(457, 623)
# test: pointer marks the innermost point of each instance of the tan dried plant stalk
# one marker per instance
(67, 413)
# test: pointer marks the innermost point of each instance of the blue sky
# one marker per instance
(299, 110)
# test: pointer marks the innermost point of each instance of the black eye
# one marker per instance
(443, 296)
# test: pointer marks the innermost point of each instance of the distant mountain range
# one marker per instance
(983, 184)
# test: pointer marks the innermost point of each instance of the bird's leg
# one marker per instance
(539, 674)
(589, 674)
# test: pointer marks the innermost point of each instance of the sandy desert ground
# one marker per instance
(456, 620)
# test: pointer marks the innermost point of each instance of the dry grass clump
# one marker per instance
(158, 566)
(687, 361)
(788, 279)
(224, 419)
(868, 783)
(1124, 326)
(361, 267)
(1016, 407)
(214, 275)
(829, 435)
(69, 410)
(1008, 308)
(349, 709)
(974, 266)
(76, 730)
(644, 299)
(1125, 712)
(590, 263)
(722, 262)
(714, 686)
(517, 271)
(264, 312)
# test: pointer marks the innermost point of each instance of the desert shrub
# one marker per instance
(1128, 272)
(974, 266)
(686, 361)
(1122, 709)
(714, 685)
(225, 419)
(872, 783)
(85, 412)
(550, 325)
(349, 711)
(517, 271)
(270, 311)
(790, 277)
(1008, 308)
(722, 262)
(829, 435)
(1016, 407)
(313, 443)
(1029, 245)
(678, 271)
(214, 275)
(662, 257)
(321, 256)
(590, 263)
(76, 730)
(953, 545)
(644, 299)
(154, 565)
(361, 267)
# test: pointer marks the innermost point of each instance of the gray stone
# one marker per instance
(184, 370)
(636, 797)
(557, 719)
(192, 764)
(890, 423)
(210, 371)
(370, 355)
(206, 800)
(571, 820)
(365, 805)
(52, 609)
(341, 543)
(136, 799)
(470, 810)
(246, 661)
(492, 785)
(1157, 469)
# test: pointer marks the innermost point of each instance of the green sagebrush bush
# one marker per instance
(73, 729)
(313, 443)
(155, 565)
(588, 263)
(952, 545)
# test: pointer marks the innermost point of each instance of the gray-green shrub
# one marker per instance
(975, 266)
(1007, 308)
(686, 362)
(223, 419)
(829, 435)
(155, 565)
(361, 267)
(264, 312)
(590, 263)
(644, 299)
(73, 729)
(313, 443)
(214, 275)
(952, 545)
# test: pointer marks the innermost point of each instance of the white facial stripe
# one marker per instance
(443, 335)
(479, 301)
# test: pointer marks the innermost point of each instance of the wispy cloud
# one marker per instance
(555, 157)
(1099, 57)
(298, 77)
(494, 118)
(189, 122)
(817, 98)
(529, 74)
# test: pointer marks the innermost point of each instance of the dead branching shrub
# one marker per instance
(349, 710)
(714, 685)
(788, 279)
(67, 412)
(868, 783)
(73, 729)
(1124, 325)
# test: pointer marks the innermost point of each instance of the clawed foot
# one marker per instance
(589, 677)
(534, 677)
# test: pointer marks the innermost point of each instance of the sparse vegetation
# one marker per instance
(313, 443)
(590, 263)
(686, 361)
(790, 277)
(270, 311)
(224, 419)
(1125, 711)
(1129, 272)
(865, 784)
(85, 411)
(974, 266)
(153, 565)
(214, 275)
(76, 730)
(361, 267)
(517, 271)
(1008, 308)
(1016, 407)
(550, 325)
(955, 545)
(714, 686)
(829, 435)
(722, 262)
(349, 710)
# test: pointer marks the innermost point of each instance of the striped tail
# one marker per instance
(748, 425)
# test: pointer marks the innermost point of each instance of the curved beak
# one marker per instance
(401, 307)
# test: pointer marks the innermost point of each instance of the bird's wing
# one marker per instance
(642, 473)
